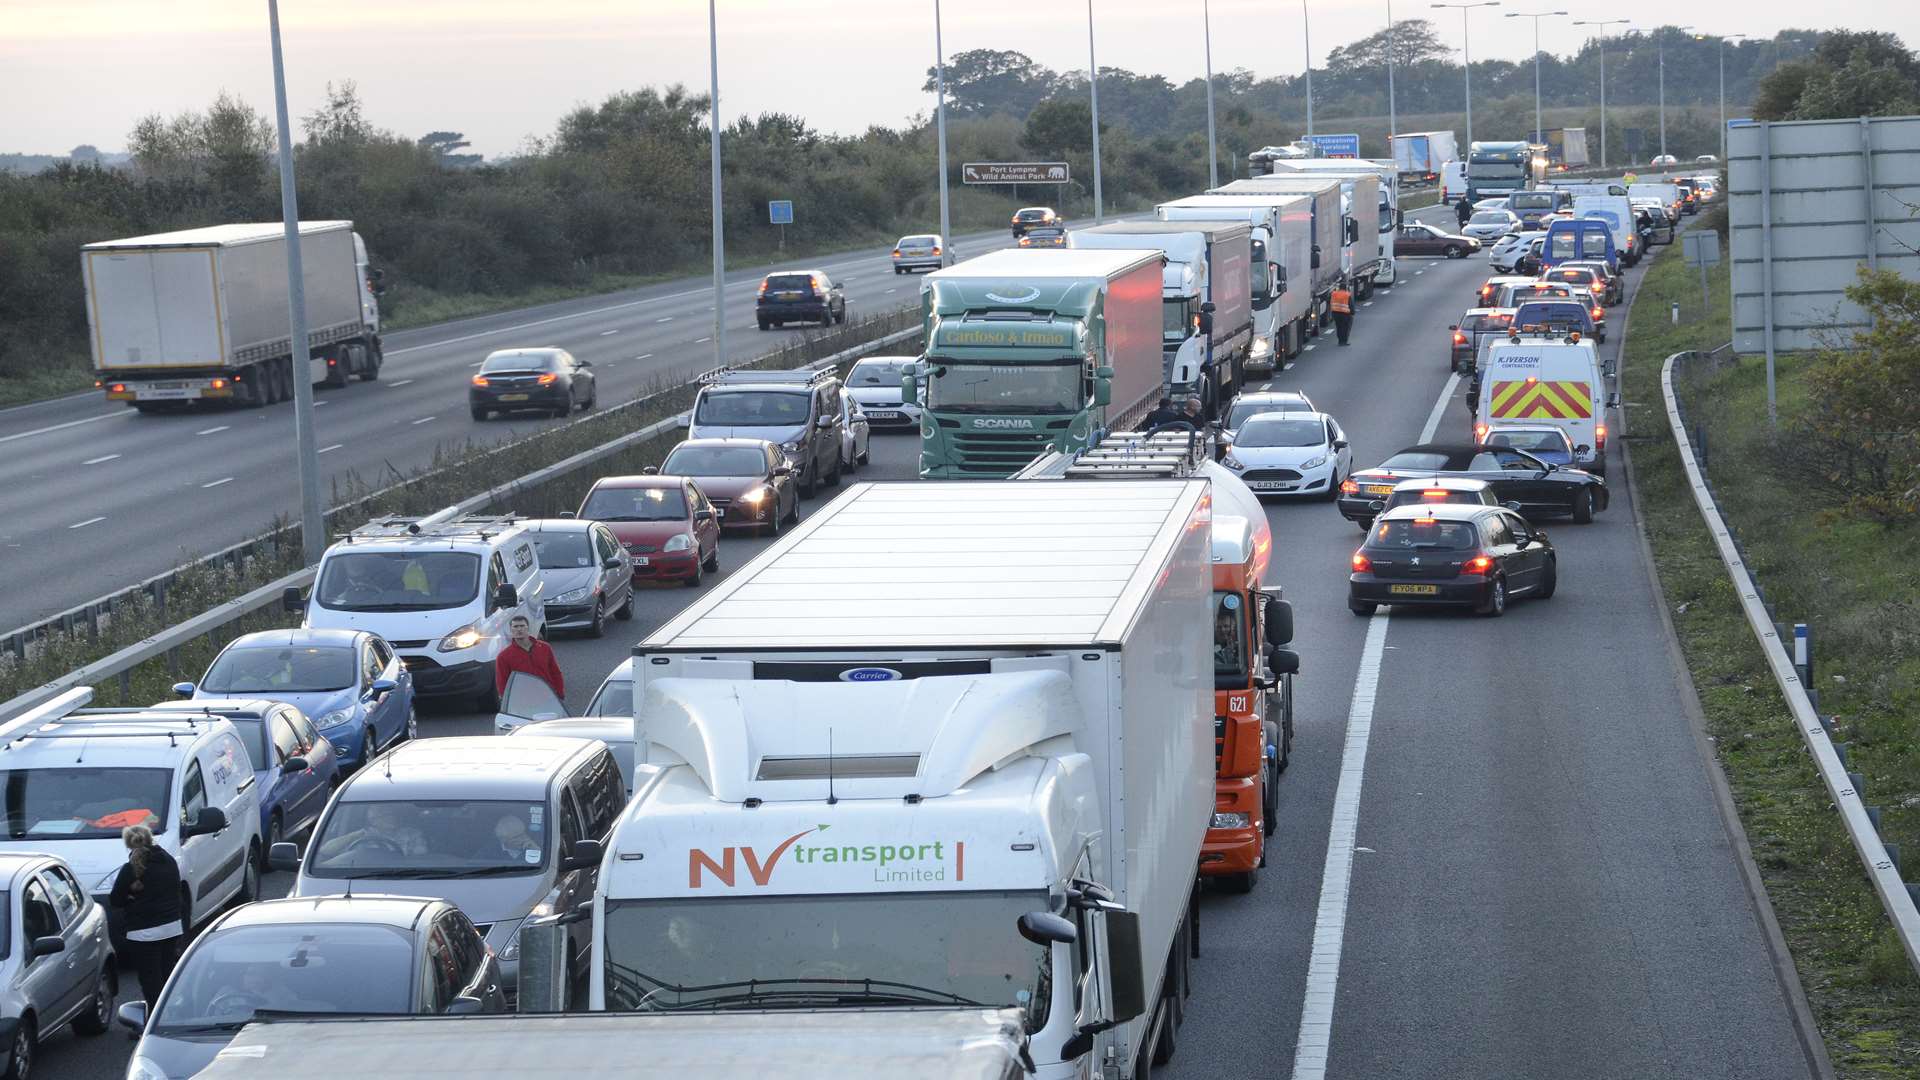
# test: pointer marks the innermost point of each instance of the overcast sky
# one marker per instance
(82, 71)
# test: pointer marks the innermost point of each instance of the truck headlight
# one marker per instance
(682, 542)
(1230, 821)
(1315, 462)
(1261, 346)
(464, 638)
(574, 596)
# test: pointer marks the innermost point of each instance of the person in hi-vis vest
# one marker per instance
(1342, 305)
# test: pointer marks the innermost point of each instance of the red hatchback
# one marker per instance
(670, 529)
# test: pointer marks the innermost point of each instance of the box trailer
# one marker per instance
(1348, 252)
(1386, 199)
(1285, 310)
(1421, 155)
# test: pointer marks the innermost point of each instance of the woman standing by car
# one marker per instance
(147, 895)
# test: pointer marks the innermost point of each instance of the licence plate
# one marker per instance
(639, 560)
(1379, 489)
(164, 393)
(1270, 485)
(1414, 590)
(513, 397)
(786, 296)
(877, 414)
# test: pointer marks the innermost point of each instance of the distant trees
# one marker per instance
(1848, 74)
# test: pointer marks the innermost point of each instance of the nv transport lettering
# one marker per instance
(937, 860)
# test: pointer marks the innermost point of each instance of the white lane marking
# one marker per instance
(329, 449)
(405, 382)
(217, 483)
(476, 363)
(668, 318)
(84, 524)
(1366, 303)
(1266, 385)
(214, 430)
(643, 356)
(68, 424)
(701, 341)
(892, 291)
(1310, 348)
(98, 460)
(1315, 1040)
(608, 333)
(317, 402)
(1289, 366)
(424, 419)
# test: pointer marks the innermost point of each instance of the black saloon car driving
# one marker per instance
(1451, 554)
(1519, 481)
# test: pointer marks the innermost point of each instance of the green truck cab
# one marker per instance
(1028, 351)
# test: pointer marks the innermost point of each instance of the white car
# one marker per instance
(1263, 401)
(923, 251)
(1662, 160)
(1507, 250)
(1301, 453)
(1487, 225)
(874, 382)
(855, 448)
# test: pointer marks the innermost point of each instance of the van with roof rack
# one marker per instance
(441, 589)
(76, 776)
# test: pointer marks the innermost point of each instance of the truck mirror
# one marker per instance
(1206, 321)
(1316, 257)
(1045, 928)
(543, 966)
(1103, 373)
(1284, 662)
(1279, 622)
(1128, 981)
(910, 384)
(1102, 392)
(1207, 307)
(1353, 230)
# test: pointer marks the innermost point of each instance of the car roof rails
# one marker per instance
(69, 710)
(812, 373)
(439, 525)
(1173, 451)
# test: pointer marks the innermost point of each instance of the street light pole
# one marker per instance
(1306, 38)
(719, 231)
(1724, 38)
(1661, 51)
(1539, 131)
(1393, 121)
(1213, 158)
(1466, 54)
(940, 121)
(1093, 84)
(313, 522)
(1601, 33)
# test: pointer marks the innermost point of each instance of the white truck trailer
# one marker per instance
(933, 721)
(1284, 310)
(201, 314)
(1206, 300)
(1387, 198)
(1359, 261)
(1421, 155)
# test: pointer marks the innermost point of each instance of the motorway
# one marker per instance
(1541, 885)
(98, 497)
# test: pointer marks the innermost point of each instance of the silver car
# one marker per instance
(588, 574)
(874, 382)
(56, 967)
(926, 251)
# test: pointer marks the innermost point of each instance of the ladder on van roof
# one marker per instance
(1169, 452)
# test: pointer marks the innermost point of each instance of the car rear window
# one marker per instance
(783, 282)
(1416, 459)
(1530, 440)
(1474, 324)
(1033, 215)
(918, 241)
(1434, 495)
(1423, 534)
(876, 373)
(1492, 217)
(518, 362)
(1539, 313)
(1243, 409)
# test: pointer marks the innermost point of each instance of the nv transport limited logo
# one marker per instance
(891, 864)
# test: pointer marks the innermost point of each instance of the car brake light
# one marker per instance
(547, 380)
(896, 253)
(1600, 436)
(936, 249)
(1459, 339)
(119, 388)
(1599, 313)
(1361, 564)
(1479, 564)
(1349, 487)
(1434, 493)
(480, 380)
(1480, 433)
(763, 285)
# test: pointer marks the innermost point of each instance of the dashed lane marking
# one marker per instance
(329, 449)
(100, 460)
(217, 483)
(84, 524)
(425, 419)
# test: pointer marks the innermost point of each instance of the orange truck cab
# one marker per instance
(1253, 701)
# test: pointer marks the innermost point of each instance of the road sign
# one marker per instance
(1702, 247)
(1014, 172)
(780, 211)
(1337, 146)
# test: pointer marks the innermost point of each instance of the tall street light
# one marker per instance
(1539, 132)
(940, 114)
(1306, 36)
(313, 522)
(1661, 51)
(1093, 84)
(1393, 121)
(1601, 33)
(1724, 38)
(719, 232)
(1466, 53)
(1213, 159)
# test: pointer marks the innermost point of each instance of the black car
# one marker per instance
(531, 380)
(1035, 217)
(1519, 480)
(1451, 554)
(799, 296)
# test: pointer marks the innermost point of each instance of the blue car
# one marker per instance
(294, 766)
(349, 682)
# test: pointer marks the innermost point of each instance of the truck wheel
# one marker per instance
(369, 365)
(1239, 885)
(336, 370)
(253, 390)
(479, 413)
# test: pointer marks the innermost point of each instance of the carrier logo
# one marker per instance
(1004, 422)
(870, 674)
(890, 863)
(1005, 298)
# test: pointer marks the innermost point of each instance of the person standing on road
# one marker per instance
(146, 892)
(1163, 413)
(1190, 412)
(529, 654)
(1342, 305)
(1464, 209)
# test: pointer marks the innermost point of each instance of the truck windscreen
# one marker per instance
(971, 387)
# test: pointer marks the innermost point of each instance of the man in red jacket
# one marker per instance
(529, 654)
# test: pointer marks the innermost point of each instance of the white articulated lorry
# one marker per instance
(1283, 300)
(1387, 198)
(1206, 300)
(1360, 263)
(1422, 155)
(986, 787)
(201, 314)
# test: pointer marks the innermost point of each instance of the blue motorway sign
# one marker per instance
(1339, 146)
(780, 211)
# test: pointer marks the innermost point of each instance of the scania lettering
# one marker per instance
(1013, 824)
(1206, 301)
(1282, 238)
(1069, 340)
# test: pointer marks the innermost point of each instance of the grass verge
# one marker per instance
(456, 473)
(1856, 585)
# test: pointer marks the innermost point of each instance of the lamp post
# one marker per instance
(940, 121)
(719, 232)
(1539, 132)
(1393, 121)
(1093, 84)
(1466, 53)
(1213, 159)
(1306, 39)
(313, 522)
(1601, 33)
(1724, 38)
(1660, 50)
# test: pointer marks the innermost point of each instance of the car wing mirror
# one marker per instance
(282, 856)
(295, 763)
(46, 946)
(210, 819)
(464, 1006)
(506, 595)
(183, 689)
(582, 855)
(132, 1014)
(610, 564)
(783, 470)
(292, 601)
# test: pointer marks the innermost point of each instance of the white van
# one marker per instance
(1453, 182)
(440, 589)
(81, 775)
(1617, 212)
(1546, 379)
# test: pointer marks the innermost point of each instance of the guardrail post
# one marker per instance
(126, 685)
(1893, 855)
(1700, 442)
(1803, 652)
(1873, 815)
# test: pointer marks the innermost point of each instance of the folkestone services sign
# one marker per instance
(1014, 172)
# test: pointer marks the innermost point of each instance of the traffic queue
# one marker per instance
(843, 825)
